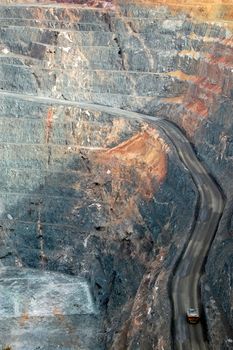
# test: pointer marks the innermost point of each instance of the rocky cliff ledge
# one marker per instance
(90, 193)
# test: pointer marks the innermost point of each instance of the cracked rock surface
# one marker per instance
(96, 196)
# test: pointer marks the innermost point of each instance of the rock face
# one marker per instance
(45, 307)
(94, 195)
(90, 193)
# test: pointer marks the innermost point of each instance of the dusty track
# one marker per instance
(185, 283)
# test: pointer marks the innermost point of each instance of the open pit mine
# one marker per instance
(116, 163)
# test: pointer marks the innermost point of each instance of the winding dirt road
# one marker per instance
(185, 284)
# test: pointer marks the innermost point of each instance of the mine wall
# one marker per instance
(83, 191)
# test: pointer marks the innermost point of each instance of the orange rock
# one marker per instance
(49, 124)
(24, 318)
(144, 153)
(221, 10)
(58, 313)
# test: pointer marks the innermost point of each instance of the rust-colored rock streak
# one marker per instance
(93, 3)
(144, 153)
(49, 124)
(221, 10)
(211, 10)
(104, 4)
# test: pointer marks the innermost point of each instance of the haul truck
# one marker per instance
(193, 316)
